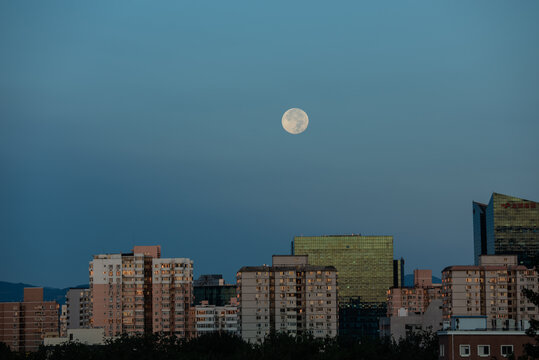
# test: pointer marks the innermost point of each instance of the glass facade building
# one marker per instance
(366, 271)
(212, 288)
(218, 295)
(398, 272)
(507, 225)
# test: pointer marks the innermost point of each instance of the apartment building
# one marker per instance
(120, 287)
(172, 295)
(413, 300)
(211, 318)
(493, 289)
(290, 296)
(24, 325)
(79, 308)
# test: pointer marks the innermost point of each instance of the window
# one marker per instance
(442, 349)
(464, 350)
(507, 350)
(483, 350)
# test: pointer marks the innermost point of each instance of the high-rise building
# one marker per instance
(121, 291)
(290, 296)
(24, 325)
(492, 289)
(140, 292)
(79, 306)
(172, 289)
(213, 289)
(366, 271)
(398, 272)
(507, 225)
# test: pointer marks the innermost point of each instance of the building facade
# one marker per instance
(492, 289)
(468, 338)
(24, 325)
(63, 320)
(213, 289)
(507, 225)
(79, 308)
(172, 290)
(140, 292)
(366, 271)
(120, 288)
(212, 318)
(416, 299)
(405, 323)
(398, 272)
(290, 296)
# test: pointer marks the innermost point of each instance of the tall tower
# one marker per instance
(506, 226)
(365, 266)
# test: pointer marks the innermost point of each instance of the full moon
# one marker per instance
(295, 121)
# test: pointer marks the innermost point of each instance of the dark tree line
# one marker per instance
(215, 346)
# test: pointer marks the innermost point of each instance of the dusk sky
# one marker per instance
(129, 123)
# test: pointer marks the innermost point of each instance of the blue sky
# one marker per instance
(135, 122)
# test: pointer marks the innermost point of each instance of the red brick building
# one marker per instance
(489, 344)
(468, 338)
(23, 325)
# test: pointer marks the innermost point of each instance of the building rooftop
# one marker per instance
(485, 267)
(287, 267)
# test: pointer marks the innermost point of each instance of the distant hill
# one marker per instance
(409, 280)
(14, 292)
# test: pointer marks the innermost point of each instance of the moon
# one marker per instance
(295, 121)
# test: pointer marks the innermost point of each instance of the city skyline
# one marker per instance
(136, 124)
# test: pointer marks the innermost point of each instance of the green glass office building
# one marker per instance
(365, 272)
(507, 225)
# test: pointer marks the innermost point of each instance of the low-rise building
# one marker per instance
(468, 338)
(400, 326)
(83, 336)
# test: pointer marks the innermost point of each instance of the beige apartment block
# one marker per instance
(493, 289)
(290, 296)
(172, 295)
(121, 291)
